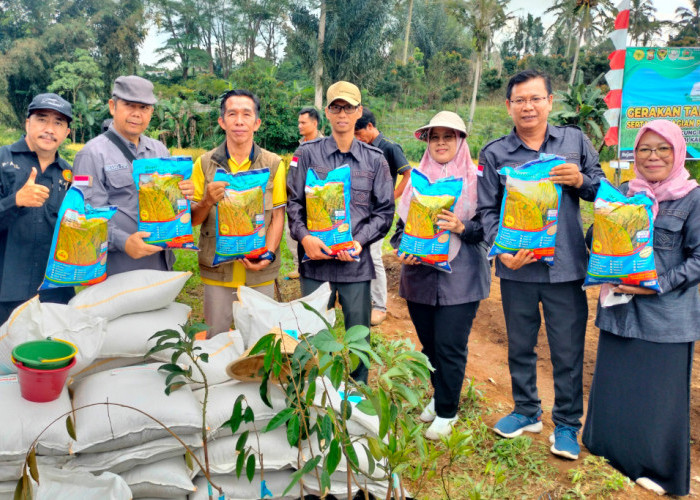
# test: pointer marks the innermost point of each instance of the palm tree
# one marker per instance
(586, 19)
(409, 16)
(689, 18)
(643, 23)
(563, 11)
(482, 18)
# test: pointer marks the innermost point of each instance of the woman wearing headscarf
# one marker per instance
(442, 305)
(639, 404)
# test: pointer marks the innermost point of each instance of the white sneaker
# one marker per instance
(428, 414)
(441, 427)
(650, 485)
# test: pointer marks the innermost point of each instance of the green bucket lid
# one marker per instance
(48, 354)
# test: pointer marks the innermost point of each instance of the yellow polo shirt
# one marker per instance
(279, 199)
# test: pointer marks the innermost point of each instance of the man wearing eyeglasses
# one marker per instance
(527, 283)
(371, 209)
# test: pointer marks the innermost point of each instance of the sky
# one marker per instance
(665, 11)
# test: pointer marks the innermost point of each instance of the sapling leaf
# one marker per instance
(188, 460)
(262, 345)
(279, 419)
(325, 341)
(70, 427)
(333, 458)
(33, 469)
(366, 407)
(19, 489)
(240, 462)
(350, 452)
(242, 439)
(248, 415)
(357, 333)
(293, 432)
(204, 357)
(250, 468)
(308, 467)
(263, 389)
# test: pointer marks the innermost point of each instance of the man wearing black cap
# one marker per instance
(104, 173)
(33, 183)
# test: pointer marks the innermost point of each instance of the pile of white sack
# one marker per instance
(121, 453)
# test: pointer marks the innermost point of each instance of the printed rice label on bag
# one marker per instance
(622, 249)
(79, 246)
(529, 210)
(240, 216)
(328, 209)
(163, 209)
(422, 237)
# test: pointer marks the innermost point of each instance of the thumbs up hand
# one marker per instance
(32, 194)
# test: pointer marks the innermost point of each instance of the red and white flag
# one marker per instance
(614, 77)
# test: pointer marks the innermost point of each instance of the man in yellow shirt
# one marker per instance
(240, 119)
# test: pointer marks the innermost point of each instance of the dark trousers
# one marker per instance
(444, 332)
(565, 314)
(56, 295)
(356, 303)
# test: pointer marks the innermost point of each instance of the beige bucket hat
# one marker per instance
(446, 119)
(249, 368)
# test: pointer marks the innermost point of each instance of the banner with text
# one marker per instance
(661, 83)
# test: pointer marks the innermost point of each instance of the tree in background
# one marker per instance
(586, 19)
(78, 77)
(643, 25)
(688, 24)
(356, 44)
(435, 30)
(482, 18)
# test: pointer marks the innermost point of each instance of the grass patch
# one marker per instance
(594, 478)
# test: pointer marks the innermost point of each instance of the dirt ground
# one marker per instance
(488, 365)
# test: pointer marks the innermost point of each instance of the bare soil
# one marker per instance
(488, 366)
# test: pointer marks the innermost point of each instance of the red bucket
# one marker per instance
(42, 386)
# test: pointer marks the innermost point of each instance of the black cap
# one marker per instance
(51, 101)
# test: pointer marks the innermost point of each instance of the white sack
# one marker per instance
(12, 470)
(103, 365)
(119, 461)
(277, 454)
(127, 336)
(101, 428)
(21, 421)
(165, 479)
(57, 484)
(255, 314)
(131, 292)
(35, 320)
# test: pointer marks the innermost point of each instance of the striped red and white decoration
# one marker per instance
(614, 77)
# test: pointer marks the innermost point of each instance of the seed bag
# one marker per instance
(240, 216)
(422, 237)
(529, 210)
(622, 250)
(328, 209)
(163, 209)
(79, 245)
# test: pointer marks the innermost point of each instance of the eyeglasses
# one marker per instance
(519, 101)
(661, 152)
(336, 108)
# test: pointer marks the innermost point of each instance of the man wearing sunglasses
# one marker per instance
(525, 282)
(371, 209)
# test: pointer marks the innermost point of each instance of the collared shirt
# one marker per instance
(371, 204)
(570, 259)
(398, 164)
(319, 135)
(279, 200)
(674, 314)
(26, 232)
(112, 183)
(469, 281)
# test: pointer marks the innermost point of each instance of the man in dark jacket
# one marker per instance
(371, 209)
(33, 183)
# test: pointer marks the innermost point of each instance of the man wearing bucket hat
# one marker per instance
(33, 182)
(103, 171)
(371, 208)
(525, 282)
